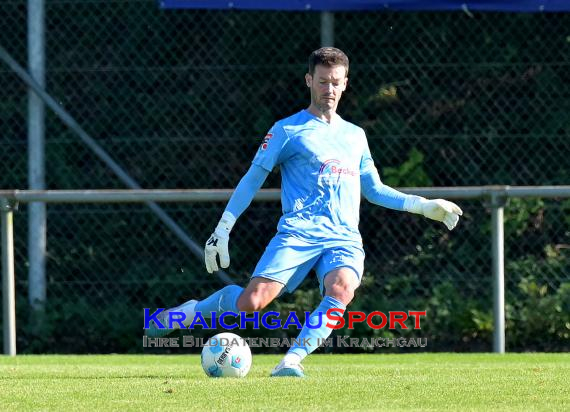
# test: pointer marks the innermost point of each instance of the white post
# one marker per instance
(36, 164)
(498, 251)
(8, 283)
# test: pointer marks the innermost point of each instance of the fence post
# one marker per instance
(8, 283)
(498, 252)
(37, 226)
(327, 29)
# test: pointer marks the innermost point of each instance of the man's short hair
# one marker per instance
(327, 56)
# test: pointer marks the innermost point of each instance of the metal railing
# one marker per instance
(495, 195)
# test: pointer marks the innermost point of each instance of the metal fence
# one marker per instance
(451, 288)
(180, 99)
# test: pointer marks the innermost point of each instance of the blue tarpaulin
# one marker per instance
(378, 5)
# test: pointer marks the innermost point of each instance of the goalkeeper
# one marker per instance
(325, 167)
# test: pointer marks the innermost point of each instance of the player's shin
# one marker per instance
(311, 338)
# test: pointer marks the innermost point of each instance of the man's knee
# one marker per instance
(341, 292)
(341, 284)
(251, 304)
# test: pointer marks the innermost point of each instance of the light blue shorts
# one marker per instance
(288, 260)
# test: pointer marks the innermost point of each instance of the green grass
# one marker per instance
(454, 382)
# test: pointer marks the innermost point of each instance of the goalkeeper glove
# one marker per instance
(436, 209)
(217, 244)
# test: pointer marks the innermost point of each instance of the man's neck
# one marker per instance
(326, 116)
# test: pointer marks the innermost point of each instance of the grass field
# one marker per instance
(455, 382)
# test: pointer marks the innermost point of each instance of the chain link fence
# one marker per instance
(181, 99)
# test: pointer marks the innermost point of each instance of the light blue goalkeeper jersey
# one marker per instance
(320, 164)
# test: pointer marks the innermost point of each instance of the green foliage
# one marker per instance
(537, 316)
(521, 215)
(411, 173)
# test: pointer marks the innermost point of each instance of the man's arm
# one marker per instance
(378, 193)
(241, 198)
(437, 209)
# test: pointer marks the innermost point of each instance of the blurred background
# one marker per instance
(181, 100)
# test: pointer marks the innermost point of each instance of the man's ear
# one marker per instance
(308, 79)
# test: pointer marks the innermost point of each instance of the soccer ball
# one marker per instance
(226, 355)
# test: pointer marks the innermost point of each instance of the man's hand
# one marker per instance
(217, 244)
(437, 209)
(442, 211)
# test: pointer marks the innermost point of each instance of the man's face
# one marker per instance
(327, 85)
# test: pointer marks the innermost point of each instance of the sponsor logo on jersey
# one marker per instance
(265, 141)
(332, 170)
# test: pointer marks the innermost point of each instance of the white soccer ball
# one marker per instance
(226, 355)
